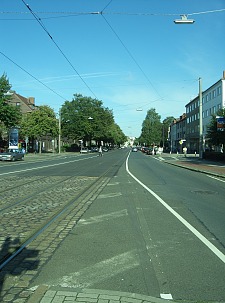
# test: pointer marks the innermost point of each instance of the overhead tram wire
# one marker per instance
(65, 99)
(72, 14)
(60, 50)
(107, 5)
(132, 57)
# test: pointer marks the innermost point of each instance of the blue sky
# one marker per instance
(132, 56)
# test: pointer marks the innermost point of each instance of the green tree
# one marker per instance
(85, 118)
(215, 136)
(39, 124)
(10, 115)
(151, 133)
(115, 135)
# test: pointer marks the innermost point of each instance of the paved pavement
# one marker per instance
(52, 294)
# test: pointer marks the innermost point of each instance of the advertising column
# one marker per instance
(13, 138)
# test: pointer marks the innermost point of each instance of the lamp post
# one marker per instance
(200, 120)
(59, 141)
(90, 119)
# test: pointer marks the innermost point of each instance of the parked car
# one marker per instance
(12, 155)
(105, 149)
(84, 150)
(94, 149)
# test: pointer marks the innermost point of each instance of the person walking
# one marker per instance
(100, 151)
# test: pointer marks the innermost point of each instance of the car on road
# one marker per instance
(12, 155)
(134, 149)
(84, 150)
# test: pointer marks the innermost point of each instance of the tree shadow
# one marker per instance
(25, 260)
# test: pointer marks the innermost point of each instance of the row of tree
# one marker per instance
(86, 119)
(83, 118)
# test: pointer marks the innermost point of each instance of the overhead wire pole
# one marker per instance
(200, 120)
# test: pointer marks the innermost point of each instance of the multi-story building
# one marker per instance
(177, 134)
(213, 98)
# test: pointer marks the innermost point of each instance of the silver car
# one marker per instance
(12, 155)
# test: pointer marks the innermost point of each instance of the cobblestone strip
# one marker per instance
(20, 222)
(18, 275)
(63, 295)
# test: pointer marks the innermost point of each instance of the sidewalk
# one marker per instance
(194, 163)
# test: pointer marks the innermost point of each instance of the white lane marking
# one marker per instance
(45, 166)
(109, 195)
(99, 272)
(216, 178)
(215, 250)
(97, 219)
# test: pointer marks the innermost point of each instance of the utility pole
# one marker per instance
(59, 143)
(200, 120)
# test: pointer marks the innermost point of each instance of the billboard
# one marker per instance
(220, 123)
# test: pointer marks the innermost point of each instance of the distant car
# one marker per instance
(94, 149)
(105, 149)
(12, 155)
(134, 149)
(84, 150)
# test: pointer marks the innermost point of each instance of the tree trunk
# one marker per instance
(40, 146)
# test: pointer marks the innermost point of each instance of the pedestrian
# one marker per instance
(100, 151)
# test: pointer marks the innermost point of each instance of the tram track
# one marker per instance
(29, 221)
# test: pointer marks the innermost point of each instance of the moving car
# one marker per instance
(12, 155)
(134, 149)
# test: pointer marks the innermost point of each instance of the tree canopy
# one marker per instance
(151, 133)
(10, 115)
(85, 118)
(215, 136)
(39, 124)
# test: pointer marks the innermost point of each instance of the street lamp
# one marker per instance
(184, 20)
(90, 119)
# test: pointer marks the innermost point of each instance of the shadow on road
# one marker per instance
(25, 260)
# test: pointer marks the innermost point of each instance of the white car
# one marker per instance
(84, 150)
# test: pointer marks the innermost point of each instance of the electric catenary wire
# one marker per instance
(33, 76)
(132, 57)
(72, 14)
(60, 50)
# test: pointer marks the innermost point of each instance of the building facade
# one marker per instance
(177, 134)
(213, 99)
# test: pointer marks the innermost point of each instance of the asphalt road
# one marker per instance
(155, 229)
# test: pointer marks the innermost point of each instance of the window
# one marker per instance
(218, 90)
(214, 93)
